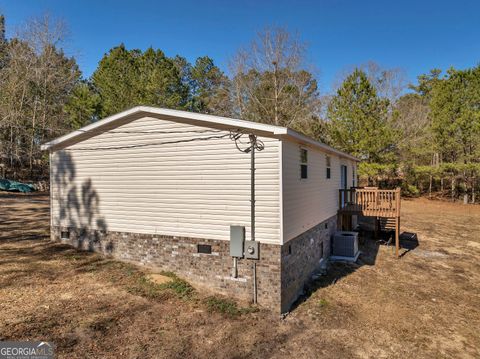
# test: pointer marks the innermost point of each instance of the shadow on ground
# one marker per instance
(369, 248)
(424, 305)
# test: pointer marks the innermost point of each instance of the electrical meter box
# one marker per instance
(237, 238)
(252, 250)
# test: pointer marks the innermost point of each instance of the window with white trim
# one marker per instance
(328, 167)
(303, 163)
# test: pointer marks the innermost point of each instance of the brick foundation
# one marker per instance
(281, 270)
(179, 255)
(302, 256)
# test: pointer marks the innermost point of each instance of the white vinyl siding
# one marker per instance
(307, 202)
(191, 189)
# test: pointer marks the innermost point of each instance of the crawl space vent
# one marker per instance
(204, 248)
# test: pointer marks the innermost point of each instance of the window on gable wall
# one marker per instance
(303, 163)
(329, 164)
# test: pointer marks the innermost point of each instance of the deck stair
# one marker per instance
(383, 205)
(386, 224)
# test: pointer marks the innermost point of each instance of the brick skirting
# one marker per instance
(281, 270)
(302, 256)
(180, 255)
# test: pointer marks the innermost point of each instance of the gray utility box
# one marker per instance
(345, 244)
(252, 250)
(237, 238)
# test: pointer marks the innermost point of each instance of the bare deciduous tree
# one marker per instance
(411, 122)
(35, 83)
(270, 82)
(389, 83)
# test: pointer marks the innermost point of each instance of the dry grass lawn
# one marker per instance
(425, 305)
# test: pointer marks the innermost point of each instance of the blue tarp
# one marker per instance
(14, 186)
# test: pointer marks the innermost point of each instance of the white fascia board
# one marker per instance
(90, 127)
(208, 119)
(305, 139)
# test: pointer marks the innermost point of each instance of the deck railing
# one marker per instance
(372, 202)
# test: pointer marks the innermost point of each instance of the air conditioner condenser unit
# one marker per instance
(345, 244)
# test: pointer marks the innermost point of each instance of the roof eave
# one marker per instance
(302, 138)
(202, 118)
(92, 126)
(138, 111)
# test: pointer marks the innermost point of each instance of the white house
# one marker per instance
(163, 187)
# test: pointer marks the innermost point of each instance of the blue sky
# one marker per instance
(414, 35)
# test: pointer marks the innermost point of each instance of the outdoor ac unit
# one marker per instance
(345, 244)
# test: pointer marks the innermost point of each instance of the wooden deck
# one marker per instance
(370, 202)
(382, 204)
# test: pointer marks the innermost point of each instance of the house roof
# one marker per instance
(199, 119)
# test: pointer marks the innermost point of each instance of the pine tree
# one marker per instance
(210, 88)
(426, 82)
(82, 106)
(359, 121)
(455, 126)
(127, 78)
(455, 115)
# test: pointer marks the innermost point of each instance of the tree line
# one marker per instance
(424, 137)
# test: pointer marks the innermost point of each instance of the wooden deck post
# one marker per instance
(381, 205)
(340, 214)
(397, 223)
(397, 236)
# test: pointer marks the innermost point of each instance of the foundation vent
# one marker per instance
(204, 248)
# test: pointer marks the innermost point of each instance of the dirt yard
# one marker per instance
(425, 305)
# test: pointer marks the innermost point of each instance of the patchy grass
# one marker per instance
(323, 303)
(146, 288)
(180, 287)
(226, 306)
(222, 305)
(137, 282)
(103, 324)
(424, 305)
